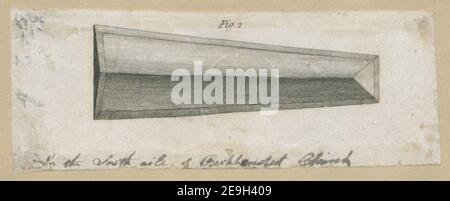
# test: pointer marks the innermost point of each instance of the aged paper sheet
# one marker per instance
(54, 91)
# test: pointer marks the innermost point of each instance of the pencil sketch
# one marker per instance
(101, 89)
(132, 71)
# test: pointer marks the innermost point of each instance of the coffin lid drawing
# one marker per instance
(132, 71)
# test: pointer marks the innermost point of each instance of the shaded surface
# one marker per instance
(132, 69)
(138, 93)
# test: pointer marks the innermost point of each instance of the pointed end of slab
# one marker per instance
(368, 78)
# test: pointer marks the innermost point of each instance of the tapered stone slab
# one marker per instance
(132, 71)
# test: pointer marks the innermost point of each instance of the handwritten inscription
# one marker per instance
(111, 160)
(47, 162)
(24, 98)
(72, 162)
(231, 160)
(318, 159)
(157, 162)
(214, 161)
(28, 26)
(230, 24)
